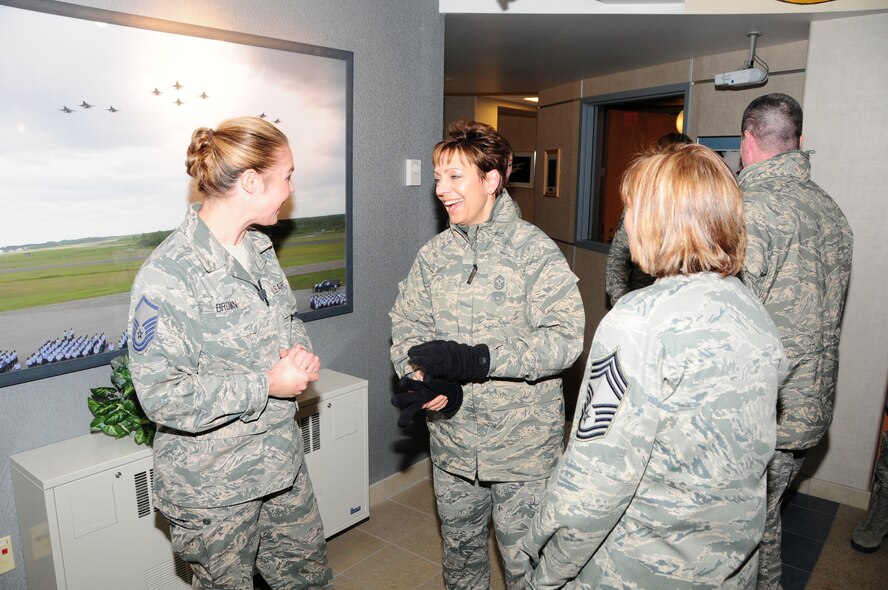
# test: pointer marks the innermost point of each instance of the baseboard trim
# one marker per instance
(835, 492)
(396, 483)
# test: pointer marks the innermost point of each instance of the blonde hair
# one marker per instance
(217, 157)
(687, 211)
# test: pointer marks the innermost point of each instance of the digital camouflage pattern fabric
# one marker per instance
(798, 263)
(219, 543)
(202, 376)
(622, 275)
(503, 283)
(663, 481)
(465, 509)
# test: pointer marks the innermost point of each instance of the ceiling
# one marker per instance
(501, 53)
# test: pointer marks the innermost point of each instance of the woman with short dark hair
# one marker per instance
(488, 317)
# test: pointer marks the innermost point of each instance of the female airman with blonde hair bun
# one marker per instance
(217, 358)
(663, 481)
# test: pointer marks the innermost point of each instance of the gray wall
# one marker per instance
(398, 50)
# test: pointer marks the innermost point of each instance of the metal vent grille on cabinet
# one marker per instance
(143, 492)
(168, 575)
(311, 432)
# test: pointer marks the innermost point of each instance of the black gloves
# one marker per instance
(451, 360)
(412, 394)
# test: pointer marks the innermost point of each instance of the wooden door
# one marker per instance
(627, 133)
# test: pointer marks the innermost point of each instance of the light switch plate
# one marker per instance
(413, 172)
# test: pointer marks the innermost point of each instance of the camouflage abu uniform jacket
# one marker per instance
(623, 275)
(663, 482)
(522, 302)
(798, 263)
(202, 343)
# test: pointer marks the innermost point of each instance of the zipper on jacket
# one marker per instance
(262, 295)
(472, 274)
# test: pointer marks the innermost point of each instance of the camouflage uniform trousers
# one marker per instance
(782, 470)
(280, 533)
(465, 508)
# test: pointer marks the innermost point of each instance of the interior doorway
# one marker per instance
(615, 129)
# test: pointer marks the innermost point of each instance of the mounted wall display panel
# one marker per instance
(94, 175)
(551, 173)
(523, 170)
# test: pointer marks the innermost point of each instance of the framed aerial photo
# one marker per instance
(95, 126)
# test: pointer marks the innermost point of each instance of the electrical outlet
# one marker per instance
(7, 561)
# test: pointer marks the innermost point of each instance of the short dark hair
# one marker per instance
(478, 144)
(775, 121)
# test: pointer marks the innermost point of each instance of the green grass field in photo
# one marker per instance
(59, 274)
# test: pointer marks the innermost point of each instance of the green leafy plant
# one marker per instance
(116, 409)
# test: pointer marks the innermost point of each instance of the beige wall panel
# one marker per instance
(590, 267)
(846, 118)
(486, 111)
(521, 131)
(718, 112)
(558, 94)
(558, 128)
(780, 58)
(661, 75)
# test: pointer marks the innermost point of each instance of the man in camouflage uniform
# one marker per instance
(622, 275)
(798, 263)
(663, 481)
(504, 284)
(228, 458)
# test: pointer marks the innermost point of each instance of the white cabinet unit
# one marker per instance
(333, 418)
(87, 517)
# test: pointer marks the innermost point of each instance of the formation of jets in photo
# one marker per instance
(156, 92)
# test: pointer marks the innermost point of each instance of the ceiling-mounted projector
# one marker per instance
(749, 74)
(747, 77)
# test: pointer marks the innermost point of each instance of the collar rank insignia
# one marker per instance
(605, 389)
(144, 324)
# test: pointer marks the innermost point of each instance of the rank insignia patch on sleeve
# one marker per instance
(144, 324)
(605, 389)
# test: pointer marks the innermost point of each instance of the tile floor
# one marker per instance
(399, 547)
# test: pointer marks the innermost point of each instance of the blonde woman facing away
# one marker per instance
(663, 482)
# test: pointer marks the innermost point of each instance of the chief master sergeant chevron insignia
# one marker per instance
(605, 389)
(144, 324)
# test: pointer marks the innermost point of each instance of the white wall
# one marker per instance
(846, 123)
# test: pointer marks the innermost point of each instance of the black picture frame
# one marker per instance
(107, 58)
(552, 187)
(523, 170)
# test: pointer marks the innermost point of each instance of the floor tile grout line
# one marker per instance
(387, 544)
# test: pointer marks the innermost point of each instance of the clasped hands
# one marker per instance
(442, 366)
(290, 376)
